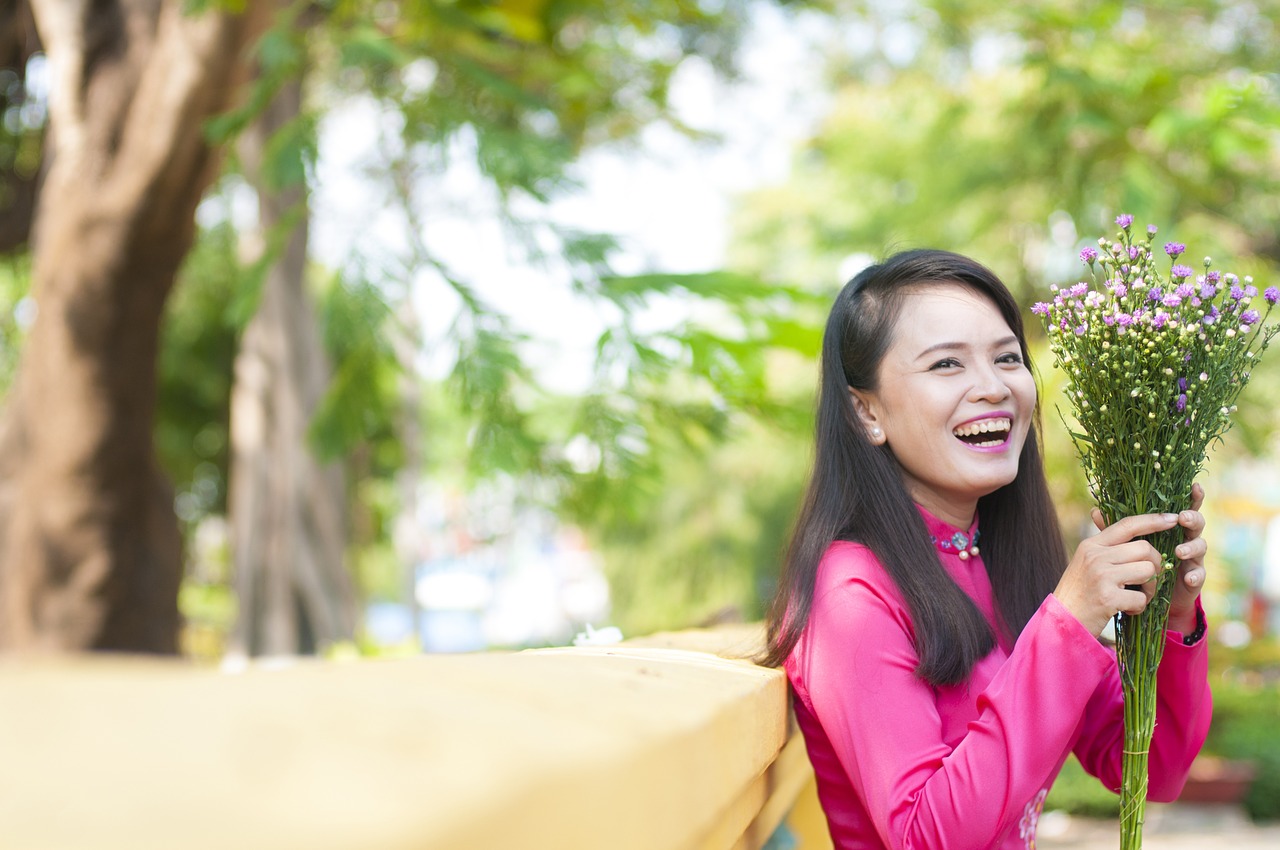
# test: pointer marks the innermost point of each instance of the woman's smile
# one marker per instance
(986, 433)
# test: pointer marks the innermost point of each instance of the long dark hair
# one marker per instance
(856, 491)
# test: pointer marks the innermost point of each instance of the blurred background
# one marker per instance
(499, 320)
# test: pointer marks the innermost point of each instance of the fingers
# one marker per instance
(1136, 526)
(1116, 571)
(1099, 521)
(1136, 561)
(1135, 601)
(1194, 579)
(1192, 550)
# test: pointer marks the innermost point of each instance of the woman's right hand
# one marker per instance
(1096, 584)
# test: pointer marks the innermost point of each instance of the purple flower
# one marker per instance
(1120, 290)
(1040, 308)
(1088, 255)
(1124, 320)
(1213, 277)
(1248, 317)
(1181, 404)
(1208, 290)
(1172, 300)
(1181, 271)
(1155, 294)
(1271, 295)
(1160, 320)
(1185, 290)
(1236, 293)
(1109, 320)
(1134, 251)
(1173, 249)
(1182, 383)
(1250, 291)
(1124, 220)
(1151, 229)
(1080, 329)
(1078, 290)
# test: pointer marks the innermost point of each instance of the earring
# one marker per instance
(876, 432)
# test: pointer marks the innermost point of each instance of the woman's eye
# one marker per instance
(946, 363)
(1009, 358)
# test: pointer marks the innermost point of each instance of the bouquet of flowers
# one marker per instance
(1154, 365)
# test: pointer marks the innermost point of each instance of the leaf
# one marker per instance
(366, 47)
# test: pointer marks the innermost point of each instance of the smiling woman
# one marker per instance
(977, 648)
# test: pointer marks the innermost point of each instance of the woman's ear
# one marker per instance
(864, 407)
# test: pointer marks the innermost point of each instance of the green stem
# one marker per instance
(1139, 647)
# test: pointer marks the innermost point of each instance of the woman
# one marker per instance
(942, 647)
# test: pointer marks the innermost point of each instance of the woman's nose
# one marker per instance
(989, 386)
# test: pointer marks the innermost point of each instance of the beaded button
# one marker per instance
(958, 544)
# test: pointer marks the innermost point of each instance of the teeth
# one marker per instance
(983, 427)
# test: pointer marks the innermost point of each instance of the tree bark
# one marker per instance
(90, 555)
(287, 509)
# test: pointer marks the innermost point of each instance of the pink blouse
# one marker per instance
(903, 764)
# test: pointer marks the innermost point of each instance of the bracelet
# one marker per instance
(1194, 638)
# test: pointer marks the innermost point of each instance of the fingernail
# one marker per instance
(1170, 517)
(1181, 551)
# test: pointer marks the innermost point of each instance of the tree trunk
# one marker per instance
(287, 509)
(90, 554)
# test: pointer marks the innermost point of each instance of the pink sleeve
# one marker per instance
(1184, 707)
(884, 724)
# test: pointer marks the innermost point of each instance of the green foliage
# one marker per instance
(360, 407)
(15, 280)
(703, 539)
(1012, 126)
(1245, 719)
(199, 341)
(1246, 714)
(522, 87)
(197, 348)
(1077, 793)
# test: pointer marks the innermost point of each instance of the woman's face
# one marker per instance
(954, 399)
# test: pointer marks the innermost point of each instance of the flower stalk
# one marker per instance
(1154, 363)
